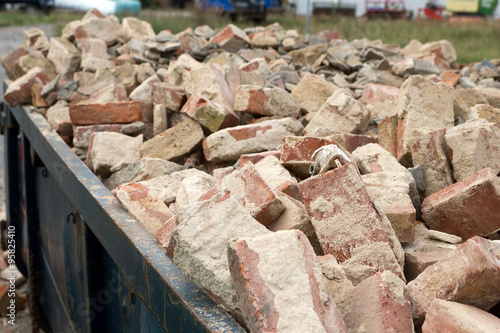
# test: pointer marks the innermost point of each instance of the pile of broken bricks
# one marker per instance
(307, 185)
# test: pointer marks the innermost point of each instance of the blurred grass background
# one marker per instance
(473, 41)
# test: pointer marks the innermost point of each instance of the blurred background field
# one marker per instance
(473, 41)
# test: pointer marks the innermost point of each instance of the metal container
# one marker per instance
(91, 266)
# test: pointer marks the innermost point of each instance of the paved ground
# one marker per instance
(11, 38)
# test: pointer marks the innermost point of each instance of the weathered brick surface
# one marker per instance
(164, 233)
(175, 142)
(295, 216)
(312, 85)
(475, 145)
(64, 55)
(192, 188)
(380, 304)
(266, 101)
(340, 112)
(110, 152)
(296, 153)
(469, 275)
(109, 113)
(417, 262)
(198, 245)
(278, 272)
(350, 142)
(388, 134)
(450, 78)
(429, 150)
(346, 223)
(249, 186)
(10, 61)
(467, 208)
(256, 157)
(464, 99)
(137, 29)
(144, 205)
(201, 109)
(231, 38)
(19, 91)
(390, 190)
(144, 169)
(444, 317)
(172, 96)
(229, 144)
(378, 93)
(420, 103)
(167, 186)
(373, 158)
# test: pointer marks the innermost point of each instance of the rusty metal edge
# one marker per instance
(158, 282)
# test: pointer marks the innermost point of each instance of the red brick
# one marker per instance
(254, 158)
(377, 93)
(231, 39)
(19, 91)
(352, 141)
(446, 317)
(10, 61)
(248, 185)
(201, 109)
(172, 96)
(417, 262)
(380, 304)
(164, 234)
(296, 153)
(347, 225)
(144, 205)
(250, 99)
(469, 275)
(450, 78)
(468, 208)
(109, 113)
(276, 282)
(388, 134)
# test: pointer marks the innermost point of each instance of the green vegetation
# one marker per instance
(473, 41)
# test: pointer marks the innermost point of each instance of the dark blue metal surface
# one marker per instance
(94, 268)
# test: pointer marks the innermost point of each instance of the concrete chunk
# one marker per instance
(198, 245)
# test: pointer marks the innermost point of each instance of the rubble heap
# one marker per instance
(312, 185)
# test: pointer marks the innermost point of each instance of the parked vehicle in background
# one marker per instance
(385, 9)
(477, 8)
(255, 10)
(105, 6)
(472, 7)
(30, 5)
